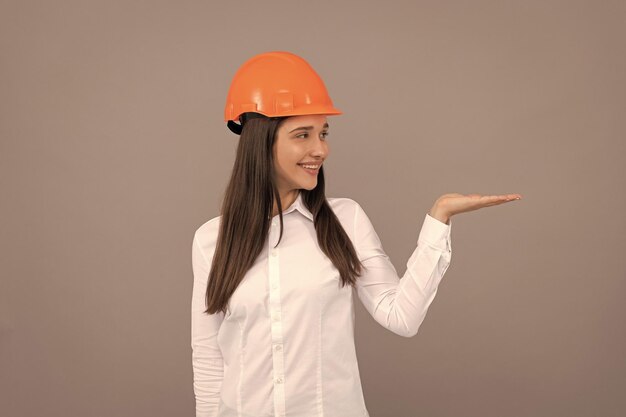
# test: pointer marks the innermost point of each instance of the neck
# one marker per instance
(286, 199)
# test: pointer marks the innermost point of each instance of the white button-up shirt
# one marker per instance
(286, 345)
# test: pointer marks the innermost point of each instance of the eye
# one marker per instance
(325, 133)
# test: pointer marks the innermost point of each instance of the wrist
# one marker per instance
(439, 214)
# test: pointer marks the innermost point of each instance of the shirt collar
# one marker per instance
(298, 204)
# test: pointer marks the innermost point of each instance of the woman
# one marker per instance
(275, 275)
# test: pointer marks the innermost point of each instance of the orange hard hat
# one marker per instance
(276, 84)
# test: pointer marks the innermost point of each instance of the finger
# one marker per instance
(489, 200)
(506, 197)
(493, 200)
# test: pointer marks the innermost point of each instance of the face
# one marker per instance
(300, 139)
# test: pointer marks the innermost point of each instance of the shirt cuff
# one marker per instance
(435, 233)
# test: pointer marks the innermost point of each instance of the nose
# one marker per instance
(320, 149)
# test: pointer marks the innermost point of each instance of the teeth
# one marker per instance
(311, 166)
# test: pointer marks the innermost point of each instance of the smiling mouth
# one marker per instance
(311, 171)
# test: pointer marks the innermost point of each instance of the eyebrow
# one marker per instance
(306, 127)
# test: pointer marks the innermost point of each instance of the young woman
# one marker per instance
(276, 274)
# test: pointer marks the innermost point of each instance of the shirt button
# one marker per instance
(279, 347)
(279, 380)
(273, 223)
(273, 252)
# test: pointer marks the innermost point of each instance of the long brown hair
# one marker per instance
(246, 216)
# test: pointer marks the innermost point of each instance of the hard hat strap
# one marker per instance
(237, 128)
(234, 127)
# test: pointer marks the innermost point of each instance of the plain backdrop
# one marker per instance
(114, 151)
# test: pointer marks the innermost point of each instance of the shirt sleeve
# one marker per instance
(206, 355)
(400, 304)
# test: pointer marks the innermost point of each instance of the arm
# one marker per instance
(400, 305)
(206, 356)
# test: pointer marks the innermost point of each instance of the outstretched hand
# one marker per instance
(448, 205)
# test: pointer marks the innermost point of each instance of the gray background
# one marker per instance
(114, 150)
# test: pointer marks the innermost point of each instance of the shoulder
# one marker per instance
(206, 235)
(353, 218)
(351, 214)
(344, 208)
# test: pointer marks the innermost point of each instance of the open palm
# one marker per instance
(454, 203)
